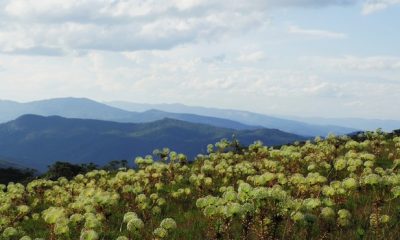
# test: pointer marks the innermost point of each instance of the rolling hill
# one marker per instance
(38, 141)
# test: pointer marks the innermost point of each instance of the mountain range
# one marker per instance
(37, 141)
(88, 109)
(356, 123)
(133, 113)
(80, 130)
(245, 117)
(300, 125)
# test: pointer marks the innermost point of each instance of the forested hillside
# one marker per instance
(36, 142)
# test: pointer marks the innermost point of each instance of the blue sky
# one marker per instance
(327, 58)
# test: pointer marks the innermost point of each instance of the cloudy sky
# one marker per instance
(330, 58)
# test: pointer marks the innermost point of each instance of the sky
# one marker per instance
(322, 58)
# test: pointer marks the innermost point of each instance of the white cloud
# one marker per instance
(371, 63)
(59, 26)
(324, 89)
(228, 53)
(372, 6)
(117, 25)
(178, 76)
(317, 33)
(252, 57)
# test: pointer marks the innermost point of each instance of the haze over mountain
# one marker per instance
(89, 109)
(357, 123)
(36, 141)
(250, 118)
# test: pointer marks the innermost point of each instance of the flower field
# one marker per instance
(333, 188)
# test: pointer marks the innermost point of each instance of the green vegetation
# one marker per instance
(333, 188)
(10, 174)
(55, 171)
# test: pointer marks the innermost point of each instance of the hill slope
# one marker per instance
(89, 109)
(39, 141)
(255, 119)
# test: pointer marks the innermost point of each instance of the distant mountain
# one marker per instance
(89, 109)
(154, 115)
(359, 123)
(39, 141)
(67, 107)
(255, 119)
(140, 113)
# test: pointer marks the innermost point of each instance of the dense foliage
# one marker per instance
(11, 174)
(336, 188)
